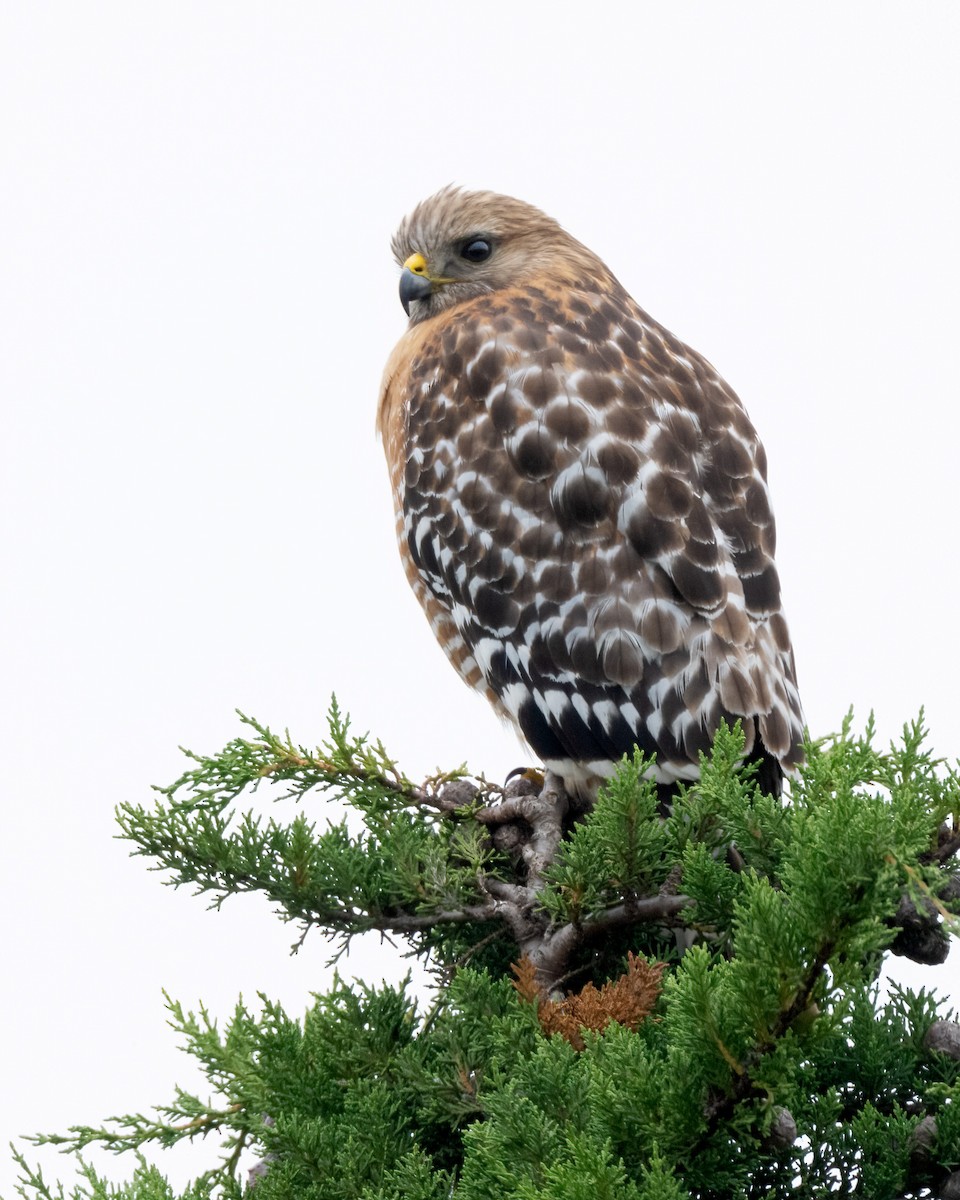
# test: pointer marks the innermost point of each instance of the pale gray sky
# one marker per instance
(197, 299)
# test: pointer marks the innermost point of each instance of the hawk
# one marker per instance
(581, 502)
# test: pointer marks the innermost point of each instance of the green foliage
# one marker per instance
(407, 856)
(620, 853)
(146, 1183)
(771, 1015)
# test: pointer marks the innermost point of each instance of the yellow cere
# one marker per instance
(417, 264)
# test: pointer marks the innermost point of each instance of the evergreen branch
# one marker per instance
(137, 1130)
(929, 897)
(557, 945)
(948, 846)
(207, 1121)
(348, 764)
(32, 1177)
(408, 873)
(416, 922)
(721, 1107)
(764, 1031)
(847, 855)
(662, 909)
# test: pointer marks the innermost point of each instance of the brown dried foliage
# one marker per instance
(628, 1000)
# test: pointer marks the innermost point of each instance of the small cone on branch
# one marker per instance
(944, 1038)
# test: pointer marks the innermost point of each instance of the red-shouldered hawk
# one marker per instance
(582, 503)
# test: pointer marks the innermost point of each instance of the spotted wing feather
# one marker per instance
(586, 516)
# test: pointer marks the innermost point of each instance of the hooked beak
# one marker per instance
(416, 283)
(413, 286)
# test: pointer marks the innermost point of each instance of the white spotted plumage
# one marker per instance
(582, 504)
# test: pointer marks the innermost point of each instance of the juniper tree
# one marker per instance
(627, 1006)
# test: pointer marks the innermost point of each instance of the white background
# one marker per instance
(196, 301)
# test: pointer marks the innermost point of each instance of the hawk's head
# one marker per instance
(457, 245)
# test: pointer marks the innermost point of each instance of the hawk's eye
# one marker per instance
(476, 250)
